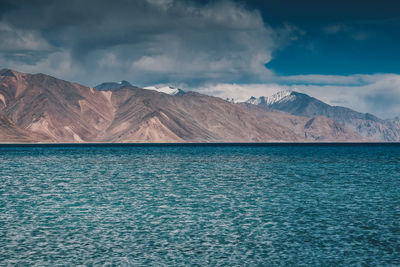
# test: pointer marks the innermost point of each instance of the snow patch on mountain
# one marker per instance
(282, 96)
(165, 89)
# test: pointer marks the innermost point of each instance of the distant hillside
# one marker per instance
(318, 128)
(300, 104)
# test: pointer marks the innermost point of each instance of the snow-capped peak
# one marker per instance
(278, 97)
(165, 89)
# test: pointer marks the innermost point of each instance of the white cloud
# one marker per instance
(239, 92)
(58, 64)
(157, 64)
(322, 79)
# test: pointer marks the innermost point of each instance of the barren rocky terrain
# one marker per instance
(41, 108)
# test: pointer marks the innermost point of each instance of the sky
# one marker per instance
(342, 52)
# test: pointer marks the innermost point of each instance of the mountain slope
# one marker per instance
(300, 104)
(311, 129)
(63, 111)
(11, 133)
(145, 114)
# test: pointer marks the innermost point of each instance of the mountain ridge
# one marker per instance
(366, 124)
(63, 111)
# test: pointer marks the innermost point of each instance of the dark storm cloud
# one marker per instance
(144, 41)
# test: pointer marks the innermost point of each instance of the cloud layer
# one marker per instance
(143, 41)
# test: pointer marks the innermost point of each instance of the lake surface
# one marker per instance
(277, 205)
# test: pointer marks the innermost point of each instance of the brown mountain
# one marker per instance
(61, 110)
(145, 115)
(68, 112)
(11, 133)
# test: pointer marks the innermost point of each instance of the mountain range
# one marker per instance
(42, 108)
(365, 124)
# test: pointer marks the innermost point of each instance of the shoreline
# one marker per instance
(200, 144)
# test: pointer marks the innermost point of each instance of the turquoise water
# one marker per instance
(200, 205)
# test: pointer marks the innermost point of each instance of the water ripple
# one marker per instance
(323, 206)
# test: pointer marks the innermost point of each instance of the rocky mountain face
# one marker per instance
(60, 110)
(46, 109)
(367, 125)
(11, 133)
(146, 115)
